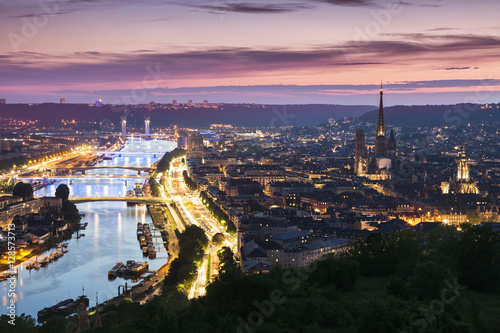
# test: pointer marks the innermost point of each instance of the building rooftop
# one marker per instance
(327, 243)
(292, 235)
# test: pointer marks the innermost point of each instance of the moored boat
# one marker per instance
(140, 233)
(133, 268)
(113, 272)
(45, 261)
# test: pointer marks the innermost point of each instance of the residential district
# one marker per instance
(290, 195)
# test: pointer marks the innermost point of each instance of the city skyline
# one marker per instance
(231, 165)
(331, 52)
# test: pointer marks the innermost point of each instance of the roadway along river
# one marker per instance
(110, 237)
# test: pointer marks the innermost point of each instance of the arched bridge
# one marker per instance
(91, 167)
(144, 200)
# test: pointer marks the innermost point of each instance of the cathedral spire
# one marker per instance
(380, 139)
(463, 172)
(391, 145)
(380, 123)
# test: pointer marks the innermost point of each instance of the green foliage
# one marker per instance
(226, 260)
(191, 184)
(473, 256)
(429, 280)
(164, 163)
(397, 287)
(381, 256)
(8, 164)
(342, 272)
(493, 218)
(154, 187)
(478, 258)
(218, 238)
(192, 244)
(24, 190)
(54, 324)
(62, 191)
(330, 296)
(23, 324)
(70, 211)
(473, 218)
(217, 212)
(6, 187)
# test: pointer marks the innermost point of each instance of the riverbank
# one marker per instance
(152, 284)
(34, 250)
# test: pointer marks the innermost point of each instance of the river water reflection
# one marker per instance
(109, 237)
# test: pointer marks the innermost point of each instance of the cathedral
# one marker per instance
(462, 183)
(378, 166)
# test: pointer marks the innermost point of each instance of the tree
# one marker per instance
(342, 272)
(473, 218)
(163, 164)
(62, 192)
(23, 323)
(226, 260)
(55, 323)
(24, 190)
(479, 258)
(70, 212)
(428, 280)
(218, 238)
(493, 218)
(154, 187)
(6, 165)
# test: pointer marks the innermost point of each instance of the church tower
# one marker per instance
(380, 139)
(360, 160)
(463, 173)
(391, 145)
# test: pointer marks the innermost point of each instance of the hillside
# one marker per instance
(234, 114)
(436, 115)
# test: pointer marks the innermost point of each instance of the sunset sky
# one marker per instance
(317, 51)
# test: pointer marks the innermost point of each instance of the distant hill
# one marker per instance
(253, 116)
(438, 115)
(234, 114)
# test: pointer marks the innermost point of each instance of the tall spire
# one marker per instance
(380, 139)
(391, 145)
(360, 154)
(463, 172)
(380, 123)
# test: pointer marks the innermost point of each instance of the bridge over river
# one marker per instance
(84, 168)
(138, 200)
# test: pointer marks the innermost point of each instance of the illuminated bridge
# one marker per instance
(119, 152)
(75, 177)
(138, 200)
(84, 168)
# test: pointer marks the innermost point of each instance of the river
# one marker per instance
(110, 237)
